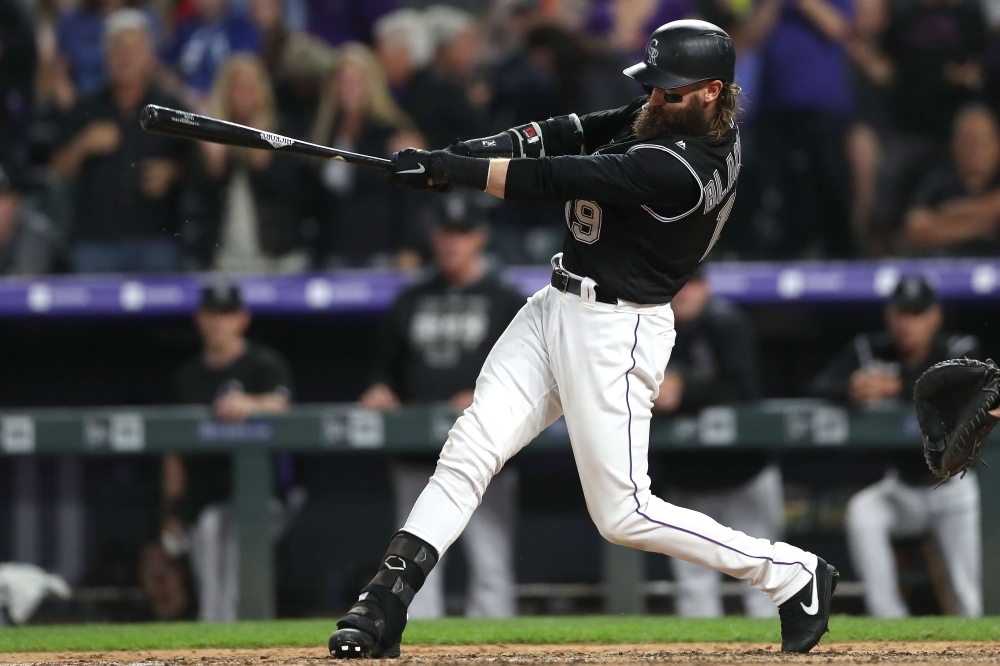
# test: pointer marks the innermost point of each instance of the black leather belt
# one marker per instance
(571, 285)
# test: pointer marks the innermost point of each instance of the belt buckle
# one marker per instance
(564, 280)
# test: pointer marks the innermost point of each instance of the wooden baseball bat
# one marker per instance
(184, 125)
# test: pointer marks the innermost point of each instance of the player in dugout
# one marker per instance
(240, 380)
(437, 337)
(884, 366)
(648, 189)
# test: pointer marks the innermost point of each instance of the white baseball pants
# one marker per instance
(892, 508)
(756, 507)
(599, 365)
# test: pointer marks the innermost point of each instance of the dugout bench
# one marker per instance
(333, 429)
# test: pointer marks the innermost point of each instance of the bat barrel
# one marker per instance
(185, 125)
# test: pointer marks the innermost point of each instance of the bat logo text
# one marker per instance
(275, 140)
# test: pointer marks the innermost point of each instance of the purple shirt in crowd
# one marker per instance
(801, 69)
(339, 21)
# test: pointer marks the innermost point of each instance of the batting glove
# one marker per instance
(412, 167)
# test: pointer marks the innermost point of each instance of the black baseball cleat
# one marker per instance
(805, 617)
(351, 643)
(367, 632)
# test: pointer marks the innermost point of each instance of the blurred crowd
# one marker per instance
(869, 126)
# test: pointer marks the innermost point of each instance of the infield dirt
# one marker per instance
(550, 655)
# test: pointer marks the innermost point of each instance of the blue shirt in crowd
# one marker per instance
(200, 49)
(801, 69)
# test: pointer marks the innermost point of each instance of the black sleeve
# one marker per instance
(644, 176)
(600, 127)
(392, 350)
(737, 379)
(17, 38)
(74, 121)
(183, 386)
(835, 380)
(933, 190)
(276, 375)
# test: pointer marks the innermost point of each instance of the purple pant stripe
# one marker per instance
(635, 493)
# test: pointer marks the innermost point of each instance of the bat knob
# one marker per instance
(148, 117)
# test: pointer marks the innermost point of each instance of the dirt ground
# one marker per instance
(489, 655)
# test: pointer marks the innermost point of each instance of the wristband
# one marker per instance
(468, 171)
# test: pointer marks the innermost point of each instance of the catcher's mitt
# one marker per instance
(953, 399)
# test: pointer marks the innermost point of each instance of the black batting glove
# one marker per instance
(437, 170)
(411, 168)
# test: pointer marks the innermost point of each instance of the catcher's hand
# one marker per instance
(954, 400)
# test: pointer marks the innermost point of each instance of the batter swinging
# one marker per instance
(648, 188)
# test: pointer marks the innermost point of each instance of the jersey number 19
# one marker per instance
(584, 220)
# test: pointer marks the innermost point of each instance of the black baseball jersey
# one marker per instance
(641, 214)
(438, 335)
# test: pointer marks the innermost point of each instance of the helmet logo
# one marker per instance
(652, 52)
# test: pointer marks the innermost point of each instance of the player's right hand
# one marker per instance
(406, 171)
(411, 168)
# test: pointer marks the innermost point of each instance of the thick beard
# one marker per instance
(687, 119)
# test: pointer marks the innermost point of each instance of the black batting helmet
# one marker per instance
(680, 53)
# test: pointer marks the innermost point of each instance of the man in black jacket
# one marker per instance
(883, 367)
(439, 333)
(125, 194)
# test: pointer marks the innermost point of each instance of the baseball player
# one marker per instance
(648, 188)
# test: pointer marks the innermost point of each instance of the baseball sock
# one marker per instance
(381, 609)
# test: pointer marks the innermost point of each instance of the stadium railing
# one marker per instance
(345, 428)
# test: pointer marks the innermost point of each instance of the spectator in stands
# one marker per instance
(871, 74)
(879, 367)
(18, 59)
(714, 362)
(804, 104)
(439, 333)
(936, 49)
(295, 61)
(125, 194)
(439, 106)
(239, 380)
(346, 21)
(204, 42)
(252, 200)
(80, 38)
(28, 239)
(458, 55)
(956, 209)
(365, 222)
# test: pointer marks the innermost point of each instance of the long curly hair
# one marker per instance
(726, 108)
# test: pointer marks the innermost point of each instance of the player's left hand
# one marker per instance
(414, 168)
